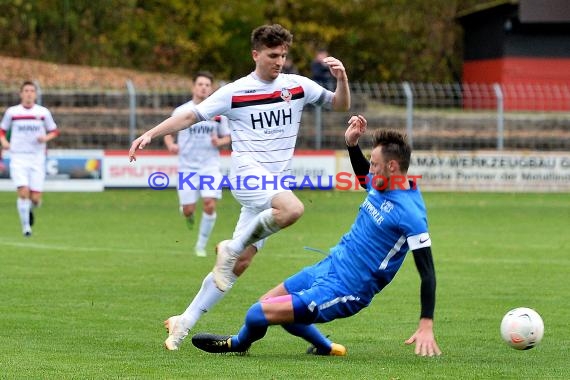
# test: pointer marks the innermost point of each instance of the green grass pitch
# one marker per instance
(85, 297)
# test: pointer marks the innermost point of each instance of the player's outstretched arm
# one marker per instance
(171, 125)
(341, 101)
(356, 128)
(424, 339)
(360, 165)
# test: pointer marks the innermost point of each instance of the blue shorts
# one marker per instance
(320, 289)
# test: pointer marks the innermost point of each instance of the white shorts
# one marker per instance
(203, 184)
(254, 188)
(252, 185)
(28, 170)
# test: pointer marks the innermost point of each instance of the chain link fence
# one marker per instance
(435, 116)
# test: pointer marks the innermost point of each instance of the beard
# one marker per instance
(381, 183)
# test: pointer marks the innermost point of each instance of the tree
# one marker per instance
(378, 40)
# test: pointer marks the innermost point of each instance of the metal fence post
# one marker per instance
(38, 92)
(500, 116)
(132, 110)
(318, 127)
(409, 112)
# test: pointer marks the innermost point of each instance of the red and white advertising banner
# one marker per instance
(92, 170)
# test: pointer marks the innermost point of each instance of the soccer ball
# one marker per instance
(522, 328)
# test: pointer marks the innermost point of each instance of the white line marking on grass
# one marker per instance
(507, 261)
(56, 247)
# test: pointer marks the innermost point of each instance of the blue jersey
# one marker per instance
(388, 224)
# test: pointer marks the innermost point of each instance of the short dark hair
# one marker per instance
(270, 36)
(27, 83)
(394, 146)
(205, 74)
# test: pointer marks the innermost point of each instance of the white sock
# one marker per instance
(206, 298)
(206, 227)
(261, 227)
(24, 206)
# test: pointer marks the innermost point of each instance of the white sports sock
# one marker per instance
(206, 227)
(261, 227)
(206, 298)
(24, 206)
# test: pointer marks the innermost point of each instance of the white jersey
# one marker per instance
(265, 116)
(26, 125)
(196, 150)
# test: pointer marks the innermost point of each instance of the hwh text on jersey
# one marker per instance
(273, 118)
(201, 129)
(28, 128)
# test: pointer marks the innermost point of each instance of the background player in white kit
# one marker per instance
(31, 126)
(198, 152)
(264, 109)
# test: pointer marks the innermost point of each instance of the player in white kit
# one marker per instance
(264, 109)
(199, 157)
(31, 126)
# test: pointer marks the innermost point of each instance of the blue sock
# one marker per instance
(254, 328)
(311, 334)
(304, 327)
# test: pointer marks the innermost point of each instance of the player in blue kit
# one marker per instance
(391, 221)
